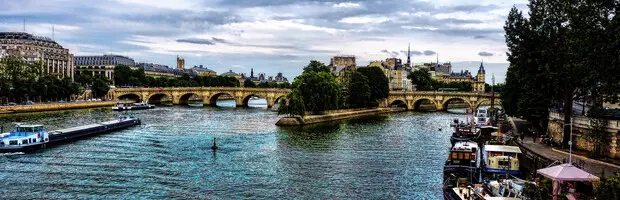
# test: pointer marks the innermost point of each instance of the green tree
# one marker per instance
(316, 66)
(84, 78)
(249, 84)
(421, 79)
(100, 86)
(378, 82)
(359, 92)
(293, 104)
(320, 91)
(122, 74)
(597, 135)
(608, 188)
(566, 49)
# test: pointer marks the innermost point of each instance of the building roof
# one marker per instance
(502, 148)
(481, 69)
(28, 36)
(230, 73)
(202, 69)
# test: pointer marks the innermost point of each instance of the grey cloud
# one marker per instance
(479, 37)
(196, 41)
(394, 53)
(417, 53)
(429, 53)
(219, 40)
(485, 54)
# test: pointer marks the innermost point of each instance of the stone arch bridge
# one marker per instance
(440, 100)
(208, 95)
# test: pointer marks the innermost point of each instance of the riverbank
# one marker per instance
(537, 155)
(53, 107)
(333, 116)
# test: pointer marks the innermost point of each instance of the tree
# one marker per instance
(358, 90)
(316, 66)
(122, 74)
(84, 78)
(378, 82)
(608, 188)
(564, 51)
(293, 104)
(421, 79)
(249, 84)
(597, 135)
(100, 86)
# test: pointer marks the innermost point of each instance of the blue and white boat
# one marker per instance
(24, 138)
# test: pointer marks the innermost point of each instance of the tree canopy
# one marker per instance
(564, 51)
(421, 79)
(378, 83)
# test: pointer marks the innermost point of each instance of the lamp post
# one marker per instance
(570, 142)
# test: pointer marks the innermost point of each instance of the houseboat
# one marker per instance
(23, 139)
(93, 129)
(462, 166)
(508, 188)
(133, 106)
(501, 159)
(464, 132)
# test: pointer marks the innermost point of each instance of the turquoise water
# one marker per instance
(393, 156)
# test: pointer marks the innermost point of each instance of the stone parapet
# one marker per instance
(54, 106)
(581, 128)
(333, 116)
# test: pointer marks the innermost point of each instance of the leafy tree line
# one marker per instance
(564, 51)
(251, 84)
(317, 90)
(125, 76)
(21, 81)
(424, 82)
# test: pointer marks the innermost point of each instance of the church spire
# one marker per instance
(409, 55)
(481, 69)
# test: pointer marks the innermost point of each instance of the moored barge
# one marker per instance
(28, 138)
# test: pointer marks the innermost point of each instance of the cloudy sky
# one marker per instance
(272, 35)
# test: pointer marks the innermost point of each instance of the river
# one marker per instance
(392, 156)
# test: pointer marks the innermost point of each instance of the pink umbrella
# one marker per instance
(565, 172)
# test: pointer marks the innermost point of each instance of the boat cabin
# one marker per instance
(24, 135)
(502, 159)
(464, 154)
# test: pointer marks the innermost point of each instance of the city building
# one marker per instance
(180, 63)
(262, 77)
(241, 78)
(157, 70)
(202, 71)
(56, 60)
(443, 73)
(340, 64)
(396, 73)
(104, 64)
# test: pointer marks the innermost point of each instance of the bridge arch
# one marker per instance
(129, 96)
(184, 99)
(399, 103)
(276, 101)
(157, 98)
(246, 99)
(418, 102)
(444, 105)
(213, 99)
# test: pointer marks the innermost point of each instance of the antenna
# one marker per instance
(53, 38)
(24, 25)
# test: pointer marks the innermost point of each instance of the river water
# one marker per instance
(392, 156)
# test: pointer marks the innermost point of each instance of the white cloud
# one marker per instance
(347, 5)
(364, 20)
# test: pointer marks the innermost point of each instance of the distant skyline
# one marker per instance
(272, 36)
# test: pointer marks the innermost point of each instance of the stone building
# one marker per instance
(396, 73)
(230, 73)
(180, 63)
(340, 64)
(56, 60)
(443, 73)
(103, 65)
(157, 70)
(203, 71)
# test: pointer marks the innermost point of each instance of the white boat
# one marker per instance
(511, 188)
(254, 98)
(134, 106)
(23, 139)
(482, 117)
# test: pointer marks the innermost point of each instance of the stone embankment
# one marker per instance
(334, 115)
(54, 106)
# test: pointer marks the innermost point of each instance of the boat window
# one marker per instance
(466, 156)
(24, 141)
(460, 156)
(13, 142)
(473, 156)
(454, 155)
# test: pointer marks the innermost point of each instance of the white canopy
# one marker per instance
(502, 148)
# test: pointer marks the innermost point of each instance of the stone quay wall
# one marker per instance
(334, 116)
(54, 106)
(581, 128)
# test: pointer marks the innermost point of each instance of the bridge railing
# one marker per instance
(199, 88)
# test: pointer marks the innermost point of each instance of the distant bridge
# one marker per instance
(209, 96)
(439, 99)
